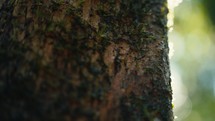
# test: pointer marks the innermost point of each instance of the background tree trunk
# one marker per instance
(84, 60)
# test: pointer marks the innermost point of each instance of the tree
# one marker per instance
(83, 60)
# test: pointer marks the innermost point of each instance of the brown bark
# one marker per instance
(84, 60)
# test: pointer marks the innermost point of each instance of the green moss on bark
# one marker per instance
(84, 60)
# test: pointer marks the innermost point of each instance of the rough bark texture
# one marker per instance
(84, 60)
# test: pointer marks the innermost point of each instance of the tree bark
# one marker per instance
(84, 60)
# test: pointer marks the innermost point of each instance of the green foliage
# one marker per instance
(194, 61)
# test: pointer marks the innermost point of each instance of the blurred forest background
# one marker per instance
(192, 43)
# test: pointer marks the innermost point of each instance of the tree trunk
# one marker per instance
(84, 60)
